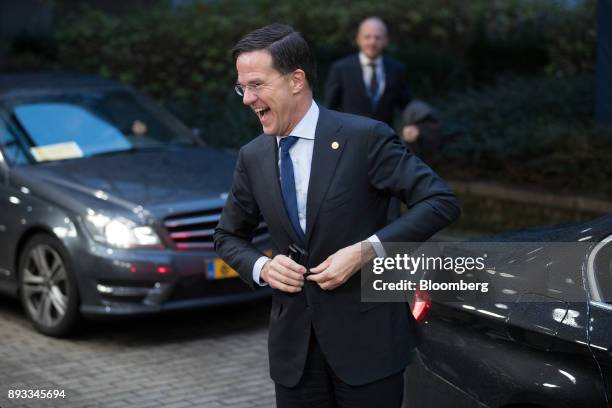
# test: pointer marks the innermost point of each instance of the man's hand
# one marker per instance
(340, 266)
(410, 133)
(284, 274)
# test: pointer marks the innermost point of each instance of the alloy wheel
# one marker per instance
(45, 288)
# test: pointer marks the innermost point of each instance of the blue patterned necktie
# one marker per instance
(288, 184)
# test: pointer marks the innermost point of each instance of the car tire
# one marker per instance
(47, 286)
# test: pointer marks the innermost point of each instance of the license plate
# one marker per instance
(218, 269)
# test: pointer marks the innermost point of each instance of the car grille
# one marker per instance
(194, 231)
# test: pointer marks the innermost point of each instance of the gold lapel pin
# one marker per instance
(335, 145)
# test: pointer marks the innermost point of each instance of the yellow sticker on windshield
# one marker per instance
(59, 151)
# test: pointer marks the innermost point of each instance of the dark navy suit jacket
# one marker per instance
(345, 89)
(349, 192)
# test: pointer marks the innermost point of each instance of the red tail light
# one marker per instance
(163, 269)
(422, 303)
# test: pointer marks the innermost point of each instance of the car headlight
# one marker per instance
(120, 232)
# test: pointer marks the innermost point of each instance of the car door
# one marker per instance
(11, 208)
(524, 341)
(4, 177)
(599, 278)
(601, 341)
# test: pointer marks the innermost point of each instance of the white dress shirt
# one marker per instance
(301, 156)
(367, 73)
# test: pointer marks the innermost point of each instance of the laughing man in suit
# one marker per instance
(368, 83)
(322, 180)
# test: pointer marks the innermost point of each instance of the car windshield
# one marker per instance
(93, 123)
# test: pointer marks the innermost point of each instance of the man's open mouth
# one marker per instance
(261, 112)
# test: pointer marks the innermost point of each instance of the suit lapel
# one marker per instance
(324, 160)
(269, 168)
(388, 75)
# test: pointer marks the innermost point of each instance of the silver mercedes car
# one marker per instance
(107, 204)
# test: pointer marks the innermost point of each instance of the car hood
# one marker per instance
(591, 231)
(159, 181)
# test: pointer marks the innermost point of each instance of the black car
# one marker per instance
(107, 204)
(541, 336)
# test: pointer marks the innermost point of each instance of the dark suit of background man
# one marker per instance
(368, 83)
(322, 180)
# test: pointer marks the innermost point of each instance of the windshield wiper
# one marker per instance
(135, 150)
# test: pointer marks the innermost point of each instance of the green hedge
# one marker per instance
(446, 45)
(519, 130)
(528, 131)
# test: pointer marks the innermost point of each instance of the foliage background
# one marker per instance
(447, 44)
(512, 79)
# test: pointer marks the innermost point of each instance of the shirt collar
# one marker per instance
(307, 126)
(365, 61)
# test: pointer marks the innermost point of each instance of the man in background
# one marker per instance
(368, 83)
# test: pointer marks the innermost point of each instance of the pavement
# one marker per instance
(212, 358)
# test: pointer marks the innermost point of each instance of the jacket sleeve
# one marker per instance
(239, 219)
(394, 170)
(333, 88)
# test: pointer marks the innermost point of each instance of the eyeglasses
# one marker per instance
(256, 87)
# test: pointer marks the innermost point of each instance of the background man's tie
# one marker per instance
(374, 86)
(288, 184)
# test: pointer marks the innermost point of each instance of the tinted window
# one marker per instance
(603, 273)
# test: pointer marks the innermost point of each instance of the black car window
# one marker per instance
(10, 146)
(603, 272)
